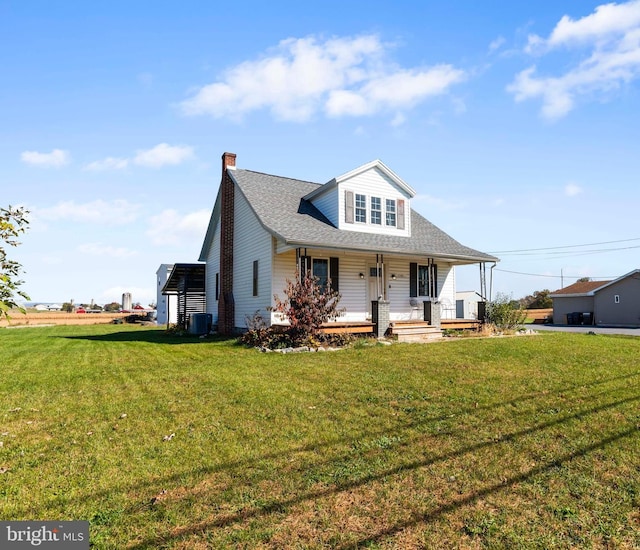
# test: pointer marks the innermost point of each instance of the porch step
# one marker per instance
(414, 331)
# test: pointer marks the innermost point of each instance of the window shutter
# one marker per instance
(400, 224)
(434, 281)
(413, 280)
(333, 274)
(255, 277)
(348, 206)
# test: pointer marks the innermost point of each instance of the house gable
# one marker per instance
(369, 199)
(618, 302)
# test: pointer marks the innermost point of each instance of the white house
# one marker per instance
(358, 230)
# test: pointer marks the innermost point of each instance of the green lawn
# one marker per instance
(528, 442)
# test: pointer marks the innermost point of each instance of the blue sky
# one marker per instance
(517, 123)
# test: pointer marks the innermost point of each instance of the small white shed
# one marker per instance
(167, 304)
(467, 304)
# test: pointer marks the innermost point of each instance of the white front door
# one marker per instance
(375, 285)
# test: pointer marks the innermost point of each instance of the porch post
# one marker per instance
(380, 316)
(432, 313)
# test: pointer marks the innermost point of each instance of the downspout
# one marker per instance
(491, 280)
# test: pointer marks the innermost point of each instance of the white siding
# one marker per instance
(284, 266)
(250, 242)
(374, 183)
(447, 291)
(213, 268)
(351, 287)
(354, 290)
(398, 291)
(328, 204)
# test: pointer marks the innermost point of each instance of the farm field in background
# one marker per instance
(33, 318)
(178, 442)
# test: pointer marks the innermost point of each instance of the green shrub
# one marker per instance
(504, 313)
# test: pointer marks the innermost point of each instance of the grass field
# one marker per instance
(168, 442)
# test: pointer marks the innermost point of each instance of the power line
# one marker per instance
(566, 246)
(566, 254)
(552, 276)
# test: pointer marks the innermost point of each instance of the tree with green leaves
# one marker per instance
(541, 299)
(13, 222)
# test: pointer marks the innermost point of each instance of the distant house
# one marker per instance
(357, 231)
(614, 303)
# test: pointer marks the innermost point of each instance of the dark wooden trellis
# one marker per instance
(187, 282)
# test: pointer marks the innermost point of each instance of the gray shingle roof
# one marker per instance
(278, 204)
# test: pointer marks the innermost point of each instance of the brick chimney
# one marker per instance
(228, 161)
(226, 304)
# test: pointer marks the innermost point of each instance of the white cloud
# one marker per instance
(109, 163)
(360, 131)
(402, 89)
(115, 212)
(98, 249)
(611, 36)
(55, 159)
(496, 44)
(339, 76)
(164, 154)
(571, 190)
(171, 228)
(398, 120)
(607, 21)
(459, 106)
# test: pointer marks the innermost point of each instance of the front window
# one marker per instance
(321, 271)
(376, 211)
(391, 212)
(361, 208)
(423, 280)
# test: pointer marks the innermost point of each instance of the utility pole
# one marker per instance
(561, 278)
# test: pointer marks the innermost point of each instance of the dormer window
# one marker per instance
(370, 213)
(376, 211)
(361, 208)
(390, 212)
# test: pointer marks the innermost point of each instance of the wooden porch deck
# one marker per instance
(406, 330)
(460, 323)
(345, 327)
(342, 327)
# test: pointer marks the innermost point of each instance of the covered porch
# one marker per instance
(409, 287)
